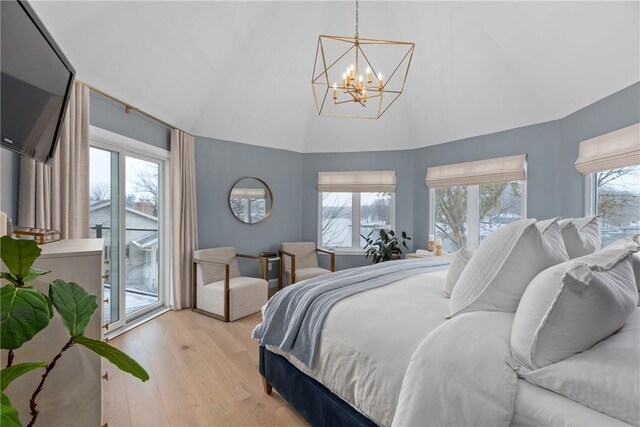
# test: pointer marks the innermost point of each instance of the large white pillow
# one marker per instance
(605, 377)
(552, 233)
(581, 235)
(569, 307)
(502, 267)
(635, 257)
(460, 260)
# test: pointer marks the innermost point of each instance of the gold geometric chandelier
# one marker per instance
(348, 79)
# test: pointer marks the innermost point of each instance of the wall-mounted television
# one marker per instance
(35, 86)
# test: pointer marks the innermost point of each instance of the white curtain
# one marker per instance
(57, 197)
(184, 228)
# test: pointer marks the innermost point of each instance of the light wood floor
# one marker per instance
(203, 373)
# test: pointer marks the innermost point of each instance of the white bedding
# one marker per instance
(536, 407)
(368, 339)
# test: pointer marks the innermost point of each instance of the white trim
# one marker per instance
(131, 145)
(128, 147)
(355, 220)
(473, 216)
(137, 322)
(589, 194)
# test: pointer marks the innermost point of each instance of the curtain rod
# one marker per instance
(128, 107)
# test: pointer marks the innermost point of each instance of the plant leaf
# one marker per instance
(10, 277)
(7, 375)
(74, 305)
(18, 255)
(34, 273)
(113, 355)
(24, 312)
(8, 414)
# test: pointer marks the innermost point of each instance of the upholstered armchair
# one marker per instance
(219, 291)
(300, 261)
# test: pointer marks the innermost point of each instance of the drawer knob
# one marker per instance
(105, 376)
(105, 326)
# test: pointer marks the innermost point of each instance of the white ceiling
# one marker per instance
(241, 71)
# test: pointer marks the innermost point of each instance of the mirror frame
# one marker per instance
(270, 193)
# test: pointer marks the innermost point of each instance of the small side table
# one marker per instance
(266, 274)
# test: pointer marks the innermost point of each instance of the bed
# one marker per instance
(367, 344)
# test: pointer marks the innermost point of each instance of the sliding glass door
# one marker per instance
(127, 210)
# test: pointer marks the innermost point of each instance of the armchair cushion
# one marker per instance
(305, 273)
(305, 252)
(213, 272)
(247, 295)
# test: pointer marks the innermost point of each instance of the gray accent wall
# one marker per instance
(554, 186)
(219, 164)
(110, 115)
(399, 161)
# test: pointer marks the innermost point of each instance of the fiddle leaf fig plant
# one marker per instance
(25, 311)
(386, 247)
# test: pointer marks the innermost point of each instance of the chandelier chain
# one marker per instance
(356, 18)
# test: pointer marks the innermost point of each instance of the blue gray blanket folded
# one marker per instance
(293, 318)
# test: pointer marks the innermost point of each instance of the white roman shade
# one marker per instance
(500, 169)
(354, 182)
(617, 149)
(248, 193)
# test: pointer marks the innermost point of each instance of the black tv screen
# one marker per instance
(35, 86)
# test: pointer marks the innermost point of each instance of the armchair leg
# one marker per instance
(266, 386)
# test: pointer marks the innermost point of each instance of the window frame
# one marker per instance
(590, 196)
(473, 212)
(356, 218)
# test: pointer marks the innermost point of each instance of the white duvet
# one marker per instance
(368, 339)
(458, 376)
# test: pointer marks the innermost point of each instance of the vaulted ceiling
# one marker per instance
(241, 71)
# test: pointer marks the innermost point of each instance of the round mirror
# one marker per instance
(251, 200)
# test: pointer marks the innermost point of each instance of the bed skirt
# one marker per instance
(312, 400)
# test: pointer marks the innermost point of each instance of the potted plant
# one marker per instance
(386, 247)
(25, 312)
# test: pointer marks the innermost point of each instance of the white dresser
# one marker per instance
(72, 395)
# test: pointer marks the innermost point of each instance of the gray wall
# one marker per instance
(400, 161)
(554, 186)
(219, 164)
(110, 115)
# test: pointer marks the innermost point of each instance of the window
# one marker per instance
(465, 215)
(352, 205)
(615, 198)
(344, 217)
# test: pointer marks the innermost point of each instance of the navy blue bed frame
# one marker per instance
(318, 405)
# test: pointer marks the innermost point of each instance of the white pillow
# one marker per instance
(581, 235)
(502, 267)
(635, 257)
(551, 232)
(604, 378)
(571, 306)
(460, 261)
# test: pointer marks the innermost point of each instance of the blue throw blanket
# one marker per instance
(293, 318)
